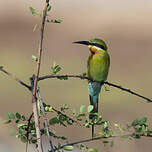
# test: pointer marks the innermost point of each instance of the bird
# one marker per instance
(98, 67)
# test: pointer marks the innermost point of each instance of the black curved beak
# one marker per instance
(82, 42)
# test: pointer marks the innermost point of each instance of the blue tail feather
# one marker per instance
(94, 89)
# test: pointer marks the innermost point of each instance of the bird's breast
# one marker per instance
(98, 66)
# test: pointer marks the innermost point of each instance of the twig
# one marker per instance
(59, 112)
(45, 120)
(28, 126)
(98, 138)
(73, 76)
(34, 100)
(128, 90)
(84, 77)
(15, 78)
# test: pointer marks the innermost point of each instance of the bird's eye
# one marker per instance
(100, 46)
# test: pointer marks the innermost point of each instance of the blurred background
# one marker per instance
(126, 28)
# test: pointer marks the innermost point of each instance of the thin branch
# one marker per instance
(15, 78)
(128, 90)
(28, 126)
(39, 52)
(84, 77)
(45, 120)
(99, 138)
(34, 100)
(59, 112)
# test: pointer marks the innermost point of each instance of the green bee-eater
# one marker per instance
(98, 67)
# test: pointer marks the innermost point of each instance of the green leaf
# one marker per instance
(92, 150)
(33, 141)
(54, 21)
(48, 8)
(90, 108)
(34, 58)
(17, 121)
(63, 78)
(68, 148)
(105, 141)
(34, 11)
(74, 112)
(23, 139)
(82, 109)
(23, 118)
(65, 107)
(6, 121)
(142, 121)
(18, 116)
(55, 68)
(21, 125)
(10, 115)
(135, 122)
(1, 67)
(54, 121)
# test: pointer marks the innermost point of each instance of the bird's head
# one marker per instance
(95, 45)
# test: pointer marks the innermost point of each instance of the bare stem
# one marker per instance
(45, 120)
(84, 77)
(15, 78)
(34, 100)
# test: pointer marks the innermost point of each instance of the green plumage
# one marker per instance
(98, 67)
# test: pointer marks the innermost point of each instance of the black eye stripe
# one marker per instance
(98, 45)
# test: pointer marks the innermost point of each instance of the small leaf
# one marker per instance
(135, 122)
(55, 68)
(105, 141)
(50, 109)
(6, 121)
(34, 58)
(142, 121)
(1, 67)
(18, 116)
(54, 121)
(49, 8)
(74, 112)
(10, 115)
(82, 109)
(54, 21)
(33, 141)
(23, 118)
(34, 11)
(63, 78)
(17, 121)
(90, 108)
(58, 21)
(68, 148)
(23, 139)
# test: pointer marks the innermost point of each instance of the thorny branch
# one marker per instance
(84, 77)
(76, 76)
(45, 120)
(99, 138)
(15, 78)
